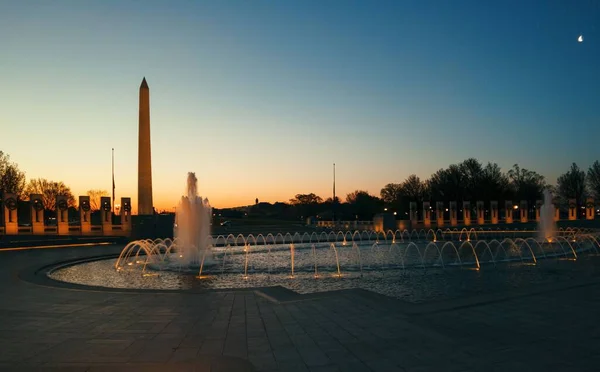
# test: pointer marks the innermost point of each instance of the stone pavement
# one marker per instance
(47, 328)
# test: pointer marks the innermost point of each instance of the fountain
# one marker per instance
(547, 226)
(192, 226)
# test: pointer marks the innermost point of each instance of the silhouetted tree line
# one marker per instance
(469, 180)
(13, 181)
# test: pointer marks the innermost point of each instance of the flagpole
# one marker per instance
(112, 205)
(333, 201)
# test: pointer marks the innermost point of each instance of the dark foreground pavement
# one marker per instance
(47, 328)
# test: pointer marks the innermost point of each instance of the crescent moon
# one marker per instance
(580, 38)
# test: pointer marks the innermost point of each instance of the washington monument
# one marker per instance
(144, 154)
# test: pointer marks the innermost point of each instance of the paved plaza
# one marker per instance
(47, 328)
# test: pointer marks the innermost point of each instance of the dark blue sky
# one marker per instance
(383, 88)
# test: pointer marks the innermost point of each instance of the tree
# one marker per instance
(306, 199)
(413, 189)
(493, 183)
(448, 184)
(306, 204)
(49, 191)
(391, 193)
(12, 180)
(95, 196)
(593, 180)
(525, 184)
(571, 185)
(364, 205)
(472, 171)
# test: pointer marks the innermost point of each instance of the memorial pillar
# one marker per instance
(467, 213)
(494, 212)
(36, 205)
(524, 211)
(508, 211)
(480, 208)
(62, 215)
(426, 214)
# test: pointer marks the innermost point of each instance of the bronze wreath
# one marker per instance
(11, 203)
(85, 205)
(62, 205)
(38, 205)
(589, 205)
(127, 207)
(106, 206)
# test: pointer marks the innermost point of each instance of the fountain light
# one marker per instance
(129, 263)
(202, 277)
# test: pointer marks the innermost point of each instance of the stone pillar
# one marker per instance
(426, 214)
(62, 215)
(439, 213)
(589, 209)
(494, 212)
(9, 211)
(85, 214)
(37, 214)
(572, 209)
(556, 203)
(414, 217)
(508, 211)
(538, 209)
(467, 213)
(126, 214)
(453, 214)
(480, 207)
(524, 211)
(106, 215)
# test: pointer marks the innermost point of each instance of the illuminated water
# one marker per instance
(453, 265)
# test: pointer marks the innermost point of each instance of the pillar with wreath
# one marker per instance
(36, 204)
(85, 215)
(9, 214)
(62, 215)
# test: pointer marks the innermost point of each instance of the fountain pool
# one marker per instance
(417, 265)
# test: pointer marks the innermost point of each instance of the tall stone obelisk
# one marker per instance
(144, 154)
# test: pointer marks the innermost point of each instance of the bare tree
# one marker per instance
(49, 191)
(95, 196)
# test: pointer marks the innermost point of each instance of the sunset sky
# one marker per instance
(259, 98)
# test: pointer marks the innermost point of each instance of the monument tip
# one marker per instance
(144, 83)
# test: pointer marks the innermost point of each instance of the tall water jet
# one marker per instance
(192, 225)
(547, 226)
